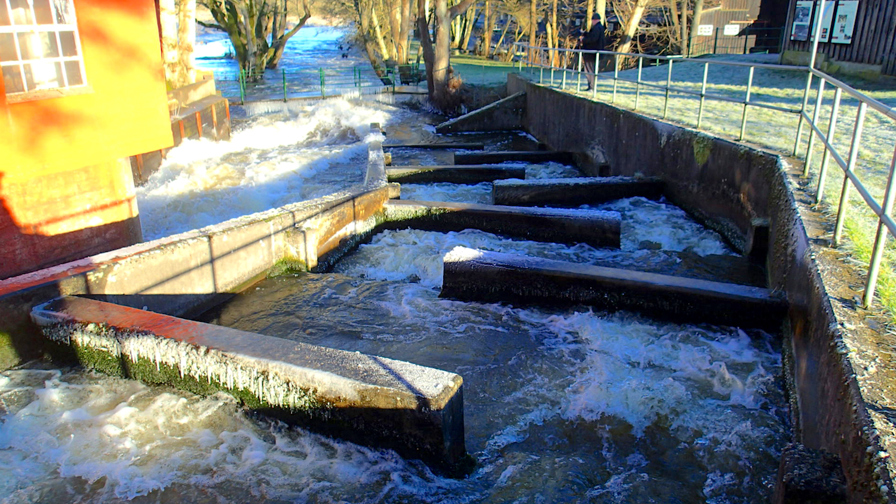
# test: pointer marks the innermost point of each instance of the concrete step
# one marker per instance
(477, 275)
(434, 146)
(455, 174)
(415, 410)
(593, 227)
(520, 156)
(572, 192)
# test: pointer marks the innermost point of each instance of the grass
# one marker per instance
(775, 130)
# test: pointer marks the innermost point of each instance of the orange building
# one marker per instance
(83, 88)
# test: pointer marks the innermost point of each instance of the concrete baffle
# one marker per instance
(370, 400)
(518, 156)
(453, 174)
(572, 192)
(593, 227)
(478, 275)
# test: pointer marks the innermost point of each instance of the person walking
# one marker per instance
(593, 40)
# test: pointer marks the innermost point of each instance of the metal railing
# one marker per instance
(301, 83)
(536, 61)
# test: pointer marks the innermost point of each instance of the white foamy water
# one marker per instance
(308, 151)
(69, 437)
(561, 405)
(417, 255)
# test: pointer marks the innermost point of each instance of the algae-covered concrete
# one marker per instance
(415, 410)
(842, 395)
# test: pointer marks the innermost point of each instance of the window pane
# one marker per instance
(65, 12)
(21, 12)
(69, 47)
(12, 80)
(4, 15)
(43, 75)
(73, 72)
(38, 45)
(8, 47)
(49, 45)
(43, 12)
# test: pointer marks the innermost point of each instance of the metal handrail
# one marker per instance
(886, 224)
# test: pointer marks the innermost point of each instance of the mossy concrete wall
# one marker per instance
(731, 188)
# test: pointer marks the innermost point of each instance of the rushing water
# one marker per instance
(561, 405)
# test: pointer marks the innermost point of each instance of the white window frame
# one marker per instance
(54, 88)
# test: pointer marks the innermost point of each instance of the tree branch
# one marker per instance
(459, 9)
(214, 26)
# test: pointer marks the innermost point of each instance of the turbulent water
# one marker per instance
(561, 405)
(276, 158)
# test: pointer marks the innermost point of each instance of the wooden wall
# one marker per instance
(874, 36)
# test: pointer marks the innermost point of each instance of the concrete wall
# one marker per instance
(722, 183)
(731, 188)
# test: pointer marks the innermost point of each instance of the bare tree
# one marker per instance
(437, 49)
(257, 30)
(178, 32)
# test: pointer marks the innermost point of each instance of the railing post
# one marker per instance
(815, 113)
(702, 94)
(799, 126)
(562, 79)
(579, 75)
(824, 158)
(615, 75)
(880, 240)
(668, 84)
(638, 84)
(244, 85)
(594, 83)
(743, 122)
(322, 92)
(284, 86)
(715, 47)
(853, 155)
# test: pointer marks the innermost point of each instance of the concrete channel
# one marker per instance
(743, 193)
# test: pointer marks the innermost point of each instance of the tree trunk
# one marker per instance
(533, 27)
(601, 8)
(404, 32)
(381, 42)
(186, 38)
(698, 12)
(684, 26)
(168, 20)
(487, 31)
(394, 27)
(437, 50)
(589, 15)
(631, 26)
(676, 29)
(472, 16)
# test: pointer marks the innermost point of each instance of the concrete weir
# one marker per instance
(478, 275)
(519, 156)
(574, 191)
(453, 174)
(593, 227)
(415, 410)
